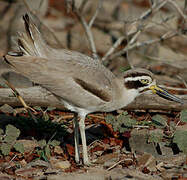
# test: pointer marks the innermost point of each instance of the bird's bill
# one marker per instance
(164, 94)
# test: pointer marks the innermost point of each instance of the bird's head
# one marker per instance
(141, 80)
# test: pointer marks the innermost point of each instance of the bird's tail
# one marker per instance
(31, 42)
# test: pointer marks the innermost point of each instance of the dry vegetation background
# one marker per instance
(149, 143)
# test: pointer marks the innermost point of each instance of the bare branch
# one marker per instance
(113, 48)
(131, 44)
(83, 4)
(178, 9)
(96, 13)
(87, 26)
(155, 8)
(184, 82)
(165, 36)
(88, 33)
(37, 96)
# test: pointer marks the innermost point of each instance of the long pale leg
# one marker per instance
(83, 138)
(76, 138)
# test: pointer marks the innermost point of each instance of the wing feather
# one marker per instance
(77, 82)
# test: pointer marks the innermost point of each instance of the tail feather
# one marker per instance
(31, 42)
(26, 45)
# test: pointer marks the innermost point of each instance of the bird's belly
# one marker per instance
(115, 104)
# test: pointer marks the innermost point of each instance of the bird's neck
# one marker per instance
(124, 96)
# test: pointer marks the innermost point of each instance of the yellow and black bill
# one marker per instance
(164, 94)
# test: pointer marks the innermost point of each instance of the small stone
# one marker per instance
(138, 142)
(108, 159)
(148, 161)
(59, 164)
(62, 164)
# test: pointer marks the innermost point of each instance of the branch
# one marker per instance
(88, 27)
(155, 7)
(89, 34)
(165, 36)
(178, 9)
(95, 15)
(37, 96)
(113, 48)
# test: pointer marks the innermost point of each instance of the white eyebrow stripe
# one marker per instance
(137, 78)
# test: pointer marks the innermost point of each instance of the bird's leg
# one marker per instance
(83, 138)
(76, 138)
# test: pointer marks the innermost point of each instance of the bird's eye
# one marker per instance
(144, 81)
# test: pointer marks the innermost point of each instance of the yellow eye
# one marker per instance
(144, 81)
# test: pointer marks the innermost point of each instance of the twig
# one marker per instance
(16, 93)
(165, 36)
(131, 44)
(112, 49)
(134, 38)
(139, 126)
(89, 34)
(93, 144)
(154, 8)
(117, 164)
(83, 4)
(96, 116)
(87, 28)
(95, 14)
(178, 9)
(184, 82)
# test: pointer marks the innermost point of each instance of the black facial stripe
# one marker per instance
(134, 84)
(135, 74)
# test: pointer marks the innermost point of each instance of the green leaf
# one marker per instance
(42, 143)
(10, 139)
(183, 115)
(156, 136)
(122, 122)
(12, 131)
(110, 119)
(125, 113)
(19, 147)
(5, 148)
(159, 121)
(129, 122)
(180, 138)
(54, 143)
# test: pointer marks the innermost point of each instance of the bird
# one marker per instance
(82, 84)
